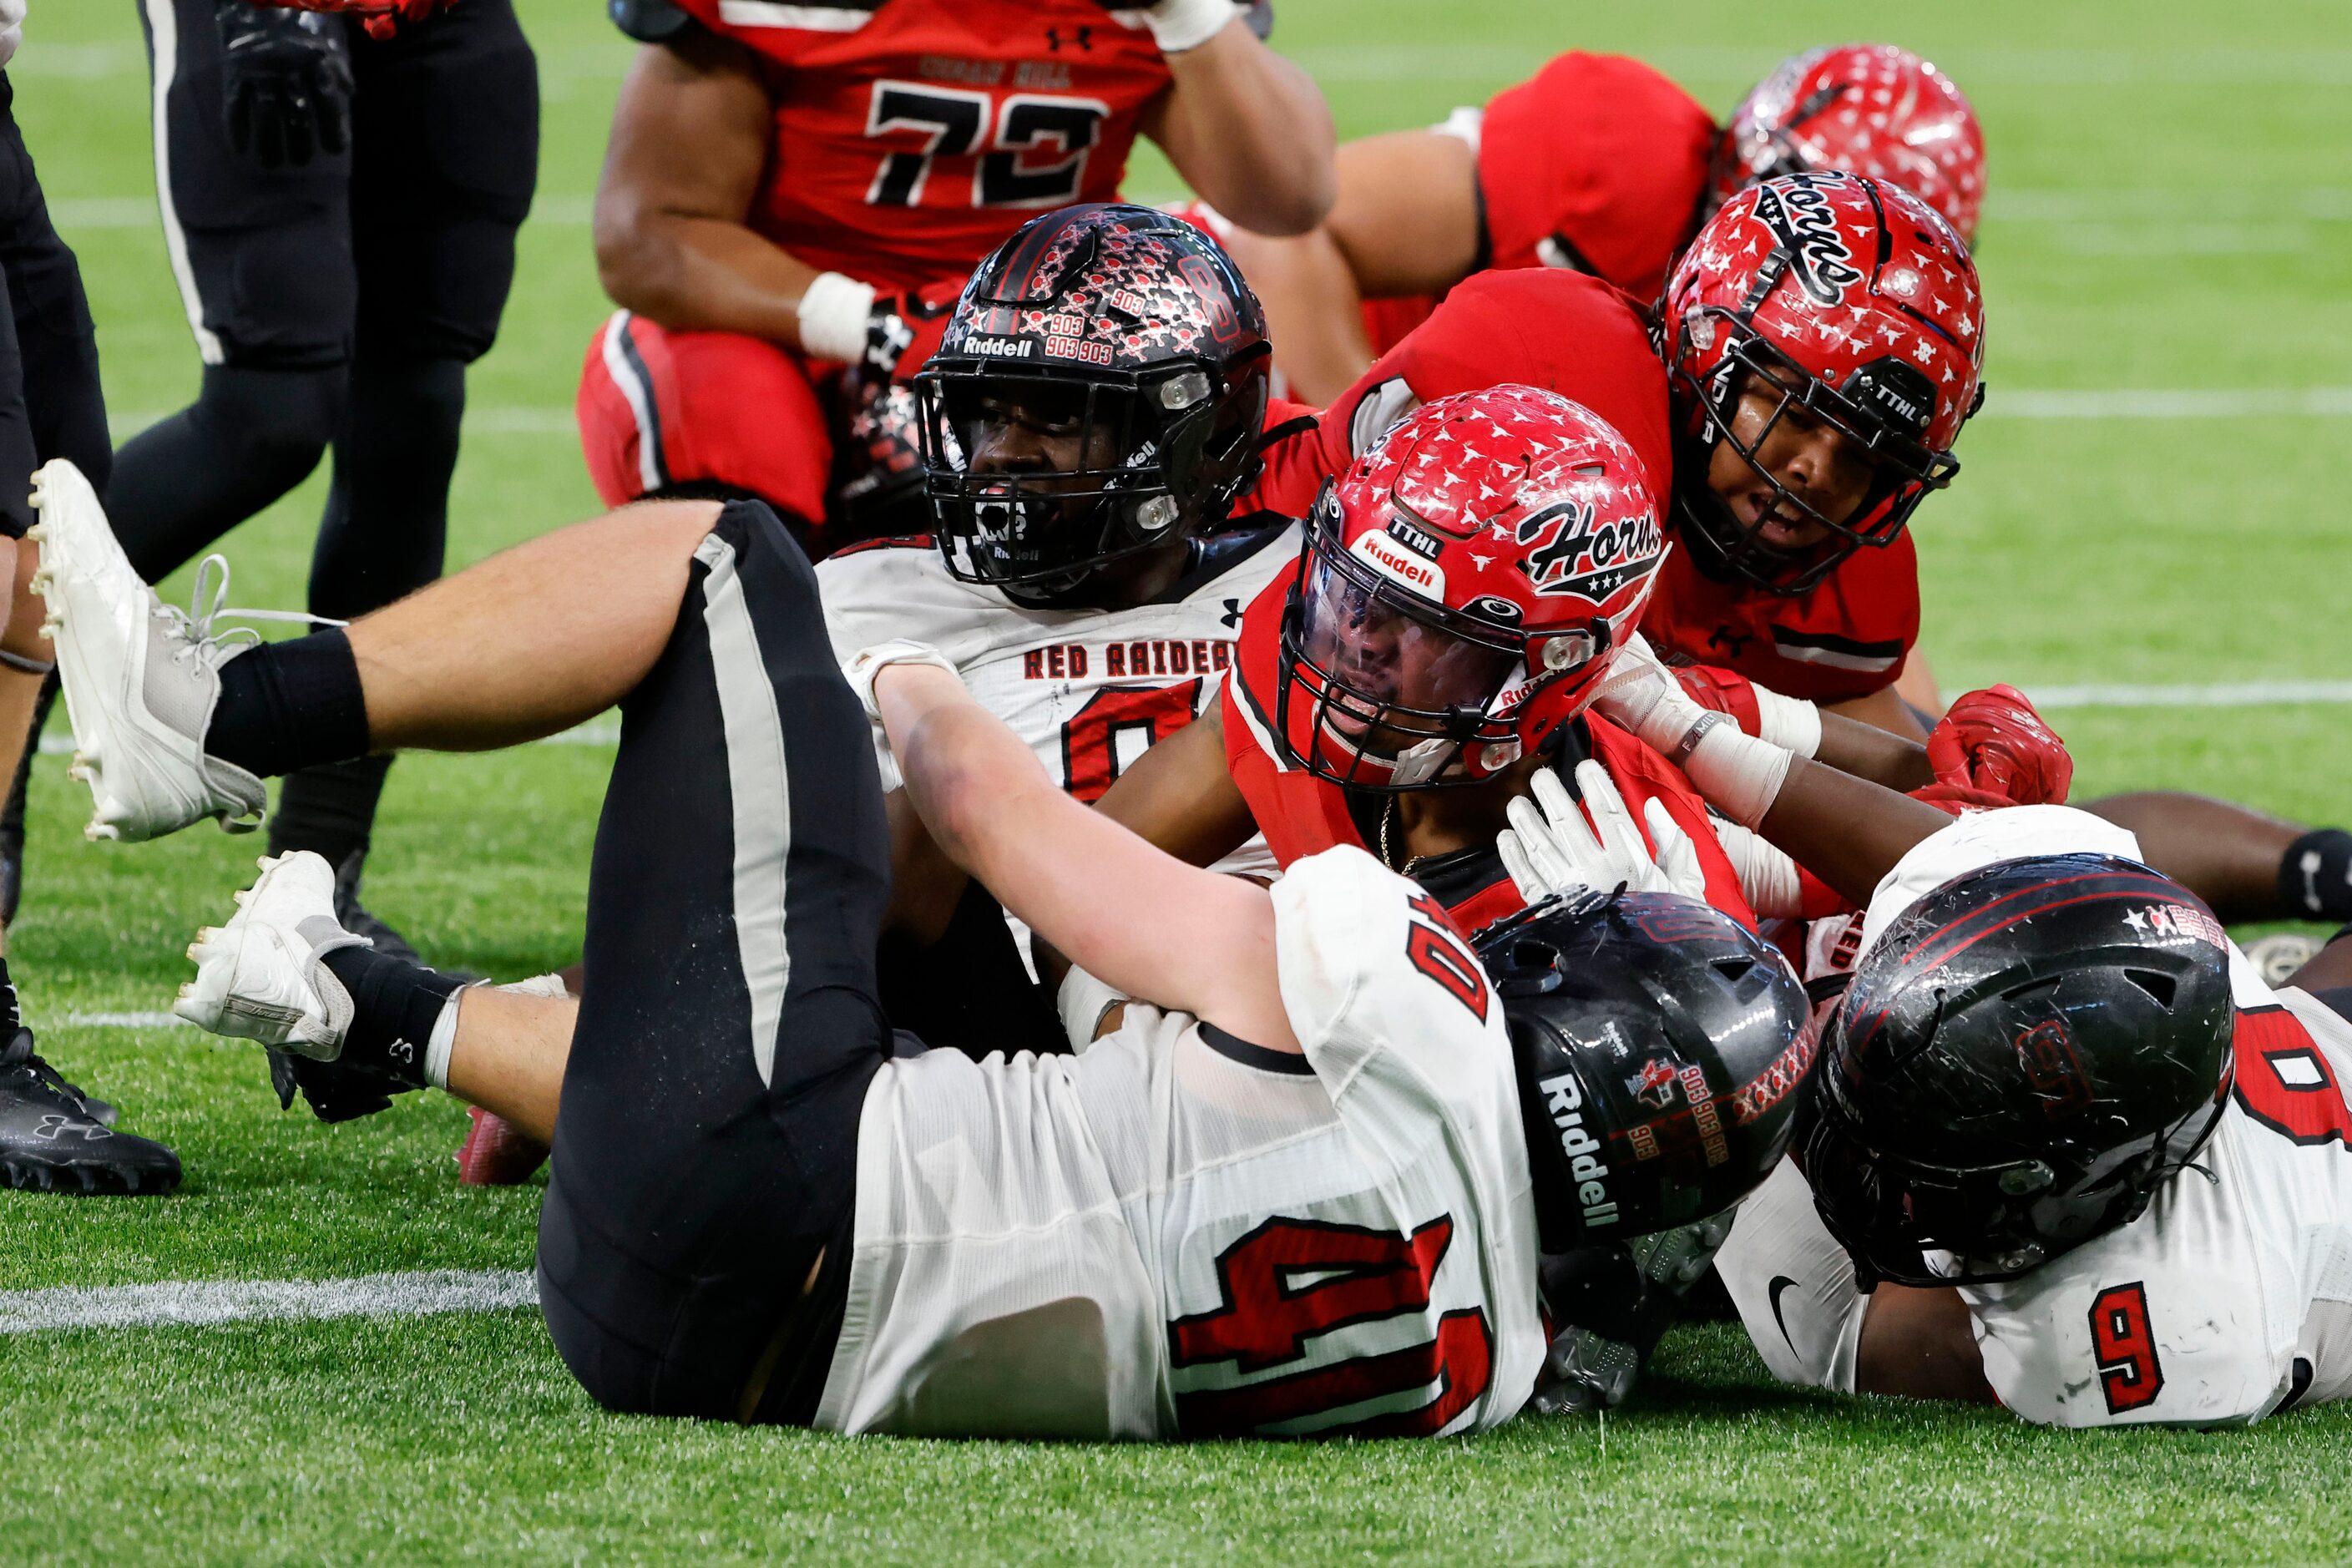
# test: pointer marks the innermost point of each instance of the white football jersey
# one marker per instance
(2227, 1301)
(1087, 690)
(1179, 1234)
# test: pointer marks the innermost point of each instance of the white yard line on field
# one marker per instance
(183, 1302)
(595, 732)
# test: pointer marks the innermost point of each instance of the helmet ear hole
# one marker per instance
(1734, 970)
(2161, 987)
(1529, 968)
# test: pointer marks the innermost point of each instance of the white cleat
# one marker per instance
(261, 977)
(141, 677)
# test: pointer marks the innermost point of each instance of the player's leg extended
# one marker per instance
(2249, 867)
(173, 724)
(706, 1149)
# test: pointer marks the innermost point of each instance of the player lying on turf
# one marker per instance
(1298, 1191)
(1084, 575)
(1597, 164)
(788, 190)
(2093, 1167)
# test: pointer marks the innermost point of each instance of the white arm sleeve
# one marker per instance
(1793, 1285)
(1768, 877)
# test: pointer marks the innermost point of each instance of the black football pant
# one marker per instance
(706, 1152)
(335, 305)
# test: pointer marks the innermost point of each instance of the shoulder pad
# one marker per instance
(647, 21)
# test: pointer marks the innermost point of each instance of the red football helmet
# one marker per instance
(1855, 306)
(1868, 109)
(1465, 587)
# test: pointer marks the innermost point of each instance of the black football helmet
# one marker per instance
(1660, 1045)
(2021, 1061)
(1099, 392)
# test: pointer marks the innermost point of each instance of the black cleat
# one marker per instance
(51, 1141)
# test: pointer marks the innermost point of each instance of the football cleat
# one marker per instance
(51, 1138)
(1635, 1296)
(262, 976)
(141, 677)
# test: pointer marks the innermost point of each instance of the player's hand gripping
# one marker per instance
(1554, 850)
(286, 83)
(891, 335)
(1993, 741)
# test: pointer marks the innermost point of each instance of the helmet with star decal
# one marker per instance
(1811, 303)
(1465, 587)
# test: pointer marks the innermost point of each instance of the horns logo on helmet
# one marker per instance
(1795, 210)
(1585, 561)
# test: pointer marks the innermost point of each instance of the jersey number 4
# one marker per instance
(1290, 1282)
(957, 124)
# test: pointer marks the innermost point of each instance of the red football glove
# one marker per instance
(382, 18)
(905, 330)
(1992, 741)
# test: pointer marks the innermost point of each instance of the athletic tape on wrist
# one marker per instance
(834, 311)
(1739, 774)
(437, 1046)
(1790, 723)
(1180, 24)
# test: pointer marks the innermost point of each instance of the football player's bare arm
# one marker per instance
(1406, 223)
(2227, 854)
(2329, 968)
(1918, 1344)
(1249, 131)
(1846, 831)
(534, 639)
(509, 1054)
(1884, 710)
(1144, 922)
(1916, 685)
(1868, 752)
(1180, 796)
(689, 142)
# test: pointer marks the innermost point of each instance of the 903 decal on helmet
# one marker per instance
(1660, 1046)
(1811, 303)
(1099, 392)
(1465, 585)
(1868, 109)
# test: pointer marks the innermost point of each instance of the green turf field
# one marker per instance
(2171, 211)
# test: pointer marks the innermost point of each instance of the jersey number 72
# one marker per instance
(956, 123)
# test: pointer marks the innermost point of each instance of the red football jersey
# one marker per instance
(1559, 331)
(1596, 163)
(1845, 638)
(912, 136)
(1301, 813)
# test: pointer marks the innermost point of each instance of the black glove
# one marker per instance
(285, 82)
(335, 1092)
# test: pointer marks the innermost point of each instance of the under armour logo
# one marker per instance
(55, 1126)
(1732, 644)
(1233, 616)
(1083, 40)
(401, 1051)
(887, 340)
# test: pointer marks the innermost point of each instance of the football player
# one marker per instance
(1095, 405)
(340, 196)
(1298, 1190)
(1599, 164)
(53, 1137)
(792, 190)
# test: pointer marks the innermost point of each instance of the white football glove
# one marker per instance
(1554, 850)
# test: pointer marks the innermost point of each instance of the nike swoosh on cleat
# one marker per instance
(1780, 1282)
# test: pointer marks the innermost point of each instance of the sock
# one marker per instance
(2315, 875)
(289, 705)
(329, 809)
(395, 1008)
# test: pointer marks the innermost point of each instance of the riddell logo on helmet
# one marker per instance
(1381, 552)
(1795, 210)
(1000, 348)
(1565, 1100)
